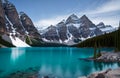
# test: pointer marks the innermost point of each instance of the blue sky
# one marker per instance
(47, 12)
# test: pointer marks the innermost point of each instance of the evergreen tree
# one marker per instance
(117, 40)
(95, 51)
(99, 51)
(28, 41)
(119, 25)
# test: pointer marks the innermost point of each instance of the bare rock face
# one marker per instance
(62, 30)
(72, 19)
(51, 34)
(85, 32)
(74, 31)
(2, 19)
(13, 17)
(109, 73)
(28, 25)
(8, 26)
(101, 25)
(86, 24)
(97, 31)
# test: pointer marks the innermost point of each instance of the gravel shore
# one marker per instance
(115, 73)
(109, 57)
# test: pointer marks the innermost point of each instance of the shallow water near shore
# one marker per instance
(62, 62)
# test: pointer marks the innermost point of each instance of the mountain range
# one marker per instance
(74, 30)
(14, 26)
(18, 29)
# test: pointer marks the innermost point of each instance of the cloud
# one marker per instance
(108, 21)
(106, 13)
(111, 6)
(99, 14)
(50, 21)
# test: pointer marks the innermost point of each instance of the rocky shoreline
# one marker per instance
(109, 73)
(105, 57)
(33, 72)
(109, 57)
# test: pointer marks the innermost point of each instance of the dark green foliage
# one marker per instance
(5, 43)
(106, 40)
(99, 53)
(28, 41)
(117, 41)
(95, 51)
(36, 42)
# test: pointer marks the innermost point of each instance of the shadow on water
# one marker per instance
(118, 64)
(98, 65)
(103, 66)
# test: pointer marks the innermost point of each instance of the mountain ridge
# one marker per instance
(74, 29)
(15, 26)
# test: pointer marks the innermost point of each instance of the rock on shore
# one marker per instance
(109, 57)
(115, 73)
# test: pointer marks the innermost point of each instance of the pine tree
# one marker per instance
(95, 51)
(119, 26)
(99, 51)
(117, 39)
(28, 41)
(116, 42)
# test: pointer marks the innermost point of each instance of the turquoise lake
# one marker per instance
(63, 62)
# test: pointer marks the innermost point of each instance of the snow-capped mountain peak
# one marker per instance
(101, 25)
(73, 30)
(105, 28)
(84, 19)
(72, 19)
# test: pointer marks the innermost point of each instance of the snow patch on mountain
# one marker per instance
(77, 25)
(18, 42)
(15, 41)
(107, 29)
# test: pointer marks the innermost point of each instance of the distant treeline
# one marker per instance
(106, 40)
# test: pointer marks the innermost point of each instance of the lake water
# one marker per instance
(62, 62)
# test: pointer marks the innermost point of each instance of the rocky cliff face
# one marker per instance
(13, 17)
(86, 26)
(62, 31)
(51, 34)
(74, 31)
(14, 24)
(28, 25)
(2, 19)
